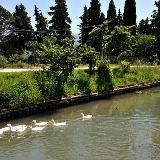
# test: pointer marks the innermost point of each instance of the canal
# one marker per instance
(125, 127)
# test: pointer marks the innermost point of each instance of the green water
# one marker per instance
(125, 127)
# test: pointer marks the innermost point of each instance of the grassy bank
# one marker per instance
(18, 89)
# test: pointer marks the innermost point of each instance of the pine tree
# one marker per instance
(22, 21)
(60, 22)
(41, 21)
(153, 19)
(144, 27)
(129, 15)
(119, 18)
(23, 27)
(84, 26)
(111, 15)
(157, 24)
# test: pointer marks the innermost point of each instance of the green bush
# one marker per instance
(3, 61)
(124, 68)
(17, 89)
(104, 78)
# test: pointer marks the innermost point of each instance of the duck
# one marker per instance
(3, 130)
(58, 124)
(38, 128)
(40, 123)
(19, 128)
(86, 117)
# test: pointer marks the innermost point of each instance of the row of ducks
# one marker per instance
(37, 126)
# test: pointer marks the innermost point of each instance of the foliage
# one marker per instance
(104, 78)
(97, 35)
(129, 15)
(84, 26)
(111, 15)
(122, 70)
(41, 21)
(144, 27)
(88, 56)
(145, 46)
(18, 89)
(3, 61)
(60, 21)
(119, 18)
(119, 41)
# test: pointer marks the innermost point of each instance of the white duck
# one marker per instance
(38, 128)
(86, 117)
(40, 124)
(19, 128)
(58, 124)
(3, 130)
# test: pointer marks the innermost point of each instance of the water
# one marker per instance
(125, 127)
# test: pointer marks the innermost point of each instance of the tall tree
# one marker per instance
(144, 26)
(22, 21)
(111, 15)
(157, 24)
(94, 12)
(153, 21)
(60, 21)
(84, 26)
(119, 18)
(40, 19)
(23, 27)
(129, 15)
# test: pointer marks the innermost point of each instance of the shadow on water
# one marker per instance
(125, 127)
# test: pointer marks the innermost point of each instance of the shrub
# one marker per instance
(17, 89)
(3, 61)
(123, 69)
(104, 79)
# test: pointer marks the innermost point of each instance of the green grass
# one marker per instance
(17, 89)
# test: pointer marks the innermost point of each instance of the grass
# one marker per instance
(17, 89)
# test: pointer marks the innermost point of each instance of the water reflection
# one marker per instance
(123, 128)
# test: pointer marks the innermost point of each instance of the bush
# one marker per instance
(17, 89)
(104, 79)
(3, 61)
(123, 69)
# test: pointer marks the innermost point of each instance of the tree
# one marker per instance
(84, 26)
(22, 26)
(97, 34)
(157, 24)
(119, 42)
(6, 27)
(153, 21)
(60, 22)
(41, 21)
(102, 18)
(94, 13)
(119, 18)
(111, 15)
(129, 15)
(144, 27)
(88, 56)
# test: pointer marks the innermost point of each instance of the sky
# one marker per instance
(75, 8)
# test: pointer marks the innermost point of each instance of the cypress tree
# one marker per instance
(84, 26)
(60, 21)
(129, 15)
(41, 21)
(119, 18)
(153, 19)
(94, 13)
(111, 15)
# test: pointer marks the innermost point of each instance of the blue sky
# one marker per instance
(75, 8)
